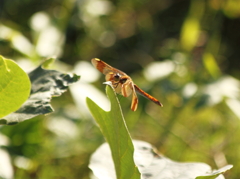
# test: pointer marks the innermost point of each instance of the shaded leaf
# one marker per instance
(152, 165)
(115, 131)
(45, 85)
(14, 86)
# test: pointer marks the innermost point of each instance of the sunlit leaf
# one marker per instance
(14, 86)
(6, 170)
(191, 27)
(17, 40)
(115, 131)
(190, 33)
(211, 65)
(45, 85)
(152, 165)
(225, 87)
(216, 173)
(231, 8)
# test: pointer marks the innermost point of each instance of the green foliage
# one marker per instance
(211, 65)
(14, 86)
(184, 53)
(114, 129)
(44, 85)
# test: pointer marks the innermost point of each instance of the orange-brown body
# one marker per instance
(122, 83)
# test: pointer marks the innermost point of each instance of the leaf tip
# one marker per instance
(48, 62)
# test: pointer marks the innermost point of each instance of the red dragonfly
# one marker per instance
(122, 83)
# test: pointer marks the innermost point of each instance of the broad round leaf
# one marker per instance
(14, 86)
(152, 165)
(45, 84)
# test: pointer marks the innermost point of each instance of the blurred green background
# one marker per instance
(183, 52)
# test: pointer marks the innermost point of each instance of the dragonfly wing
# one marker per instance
(127, 88)
(104, 67)
(101, 66)
(134, 104)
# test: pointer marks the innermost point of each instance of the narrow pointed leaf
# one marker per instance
(114, 129)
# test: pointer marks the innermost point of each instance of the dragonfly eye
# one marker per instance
(116, 77)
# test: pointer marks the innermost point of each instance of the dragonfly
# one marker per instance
(122, 83)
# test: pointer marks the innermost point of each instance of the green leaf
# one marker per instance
(114, 129)
(152, 165)
(45, 85)
(211, 65)
(14, 86)
(190, 33)
(48, 62)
